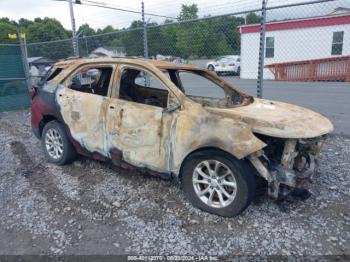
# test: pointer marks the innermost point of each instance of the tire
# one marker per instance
(243, 174)
(54, 131)
(211, 68)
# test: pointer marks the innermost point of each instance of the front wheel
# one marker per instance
(58, 149)
(217, 183)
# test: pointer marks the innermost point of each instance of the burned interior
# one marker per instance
(177, 120)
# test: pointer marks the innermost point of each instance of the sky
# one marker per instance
(98, 17)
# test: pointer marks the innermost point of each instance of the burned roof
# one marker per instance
(140, 61)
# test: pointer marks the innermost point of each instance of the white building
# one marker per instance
(295, 40)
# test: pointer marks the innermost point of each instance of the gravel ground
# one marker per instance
(92, 208)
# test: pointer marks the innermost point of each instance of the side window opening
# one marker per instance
(197, 85)
(206, 91)
(142, 87)
(94, 80)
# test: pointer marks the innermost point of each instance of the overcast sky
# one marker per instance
(99, 17)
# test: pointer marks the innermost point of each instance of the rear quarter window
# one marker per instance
(54, 73)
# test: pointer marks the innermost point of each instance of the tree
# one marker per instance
(133, 39)
(5, 29)
(188, 12)
(6, 20)
(86, 44)
(24, 23)
(189, 37)
(85, 29)
(48, 29)
(253, 18)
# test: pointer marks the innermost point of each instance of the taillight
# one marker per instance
(216, 65)
(32, 92)
(231, 64)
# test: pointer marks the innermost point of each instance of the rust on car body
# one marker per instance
(162, 137)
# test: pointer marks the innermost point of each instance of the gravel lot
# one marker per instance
(92, 208)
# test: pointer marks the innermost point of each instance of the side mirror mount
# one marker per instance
(171, 108)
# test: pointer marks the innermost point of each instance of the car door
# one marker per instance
(138, 133)
(83, 99)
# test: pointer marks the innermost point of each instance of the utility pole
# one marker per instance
(74, 33)
(261, 50)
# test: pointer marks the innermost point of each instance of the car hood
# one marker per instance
(278, 119)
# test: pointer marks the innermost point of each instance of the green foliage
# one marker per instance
(253, 18)
(188, 12)
(5, 29)
(48, 29)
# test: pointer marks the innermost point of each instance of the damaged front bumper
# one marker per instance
(291, 168)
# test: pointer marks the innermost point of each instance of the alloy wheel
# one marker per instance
(214, 183)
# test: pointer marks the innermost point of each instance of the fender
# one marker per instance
(203, 129)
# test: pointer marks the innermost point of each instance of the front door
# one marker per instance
(138, 127)
(83, 99)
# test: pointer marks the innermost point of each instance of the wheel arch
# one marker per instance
(203, 150)
(46, 119)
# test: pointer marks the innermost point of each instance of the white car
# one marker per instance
(230, 64)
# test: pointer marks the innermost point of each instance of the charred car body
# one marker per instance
(152, 115)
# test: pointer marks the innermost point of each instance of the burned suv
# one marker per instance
(177, 120)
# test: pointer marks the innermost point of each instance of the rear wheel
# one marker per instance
(211, 68)
(56, 145)
(217, 183)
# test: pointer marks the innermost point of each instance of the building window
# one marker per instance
(337, 44)
(270, 47)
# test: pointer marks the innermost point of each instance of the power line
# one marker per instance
(97, 4)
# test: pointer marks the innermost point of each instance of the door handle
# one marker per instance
(111, 107)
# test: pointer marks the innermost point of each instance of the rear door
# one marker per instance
(83, 99)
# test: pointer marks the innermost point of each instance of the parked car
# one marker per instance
(230, 64)
(156, 116)
(174, 59)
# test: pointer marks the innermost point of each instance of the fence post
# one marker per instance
(145, 44)
(24, 55)
(86, 46)
(261, 50)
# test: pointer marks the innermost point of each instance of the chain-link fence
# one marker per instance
(13, 86)
(304, 41)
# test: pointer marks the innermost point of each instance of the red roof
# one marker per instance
(298, 23)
